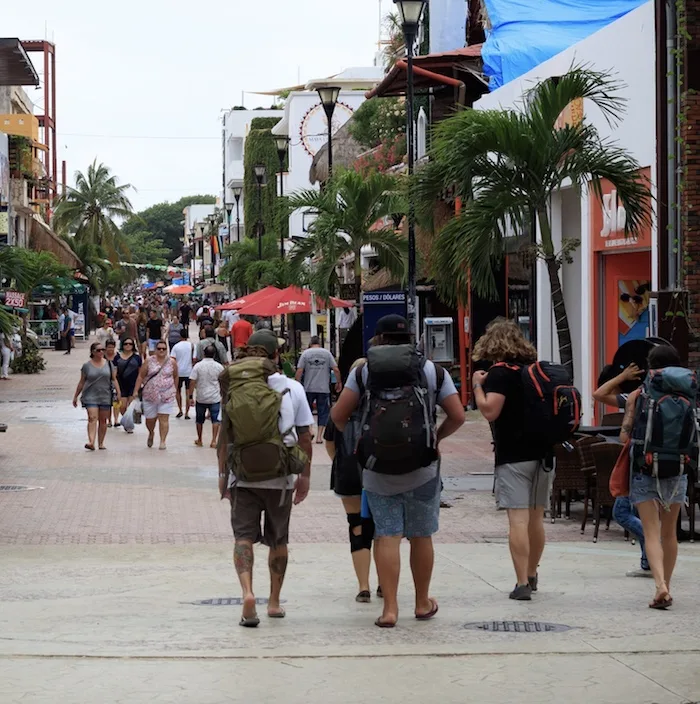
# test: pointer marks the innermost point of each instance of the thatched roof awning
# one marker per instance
(44, 239)
(346, 150)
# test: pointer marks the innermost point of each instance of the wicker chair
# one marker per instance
(605, 455)
(570, 475)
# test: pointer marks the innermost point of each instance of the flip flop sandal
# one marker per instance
(430, 614)
(197, 443)
(101, 448)
(250, 622)
(90, 447)
(662, 603)
(364, 597)
(383, 624)
(149, 442)
(277, 614)
(380, 593)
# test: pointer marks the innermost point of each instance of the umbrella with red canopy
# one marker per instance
(290, 300)
(250, 298)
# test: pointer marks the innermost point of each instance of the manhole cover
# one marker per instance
(226, 601)
(18, 487)
(517, 627)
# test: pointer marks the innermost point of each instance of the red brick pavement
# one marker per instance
(133, 495)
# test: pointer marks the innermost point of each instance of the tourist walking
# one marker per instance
(111, 355)
(264, 410)
(155, 331)
(204, 380)
(183, 354)
(241, 331)
(314, 371)
(104, 332)
(6, 348)
(209, 340)
(142, 333)
(98, 382)
(346, 482)
(175, 328)
(128, 364)
(125, 327)
(223, 336)
(660, 421)
(398, 449)
(158, 382)
(523, 480)
(67, 327)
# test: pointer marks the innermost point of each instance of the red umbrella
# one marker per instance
(250, 298)
(290, 300)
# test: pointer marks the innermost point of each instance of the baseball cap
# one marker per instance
(266, 339)
(392, 325)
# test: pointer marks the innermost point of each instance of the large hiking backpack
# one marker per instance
(397, 428)
(665, 431)
(217, 354)
(552, 412)
(258, 450)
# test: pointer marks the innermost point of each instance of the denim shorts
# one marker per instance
(413, 514)
(645, 488)
(201, 412)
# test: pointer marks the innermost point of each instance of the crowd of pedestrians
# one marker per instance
(383, 436)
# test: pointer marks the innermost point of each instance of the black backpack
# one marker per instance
(398, 423)
(553, 405)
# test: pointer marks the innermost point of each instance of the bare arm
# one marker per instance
(116, 382)
(610, 390)
(454, 410)
(78, 389)
(330, 449)
(176, 374)
(341, 412)
(628, 420)
(490, 404)
(299, 373)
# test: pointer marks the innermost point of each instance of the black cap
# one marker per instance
(392, 325)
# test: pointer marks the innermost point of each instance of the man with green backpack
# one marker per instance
(264, 454)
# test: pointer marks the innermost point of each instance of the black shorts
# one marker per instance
(184, 381)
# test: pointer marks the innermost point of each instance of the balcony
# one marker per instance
(20, 125)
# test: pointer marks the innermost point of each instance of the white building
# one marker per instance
(197, 240)
(606, 265)
(236, 125)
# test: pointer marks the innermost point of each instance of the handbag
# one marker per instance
(619, 484)
(153, 376)
(112, 388)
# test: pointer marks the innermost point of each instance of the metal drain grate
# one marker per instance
(18, 487)
(226, 601)
(517, 627)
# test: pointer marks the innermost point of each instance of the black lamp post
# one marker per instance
(411, 12)
(237, 190)
(260, 172)
(329, 98)
(282, 145)
(212, 221)
(229, 210)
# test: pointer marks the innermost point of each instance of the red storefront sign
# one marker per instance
(15, 299)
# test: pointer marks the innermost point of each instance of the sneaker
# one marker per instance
(533, 582)
(522, 592)
(639, 573)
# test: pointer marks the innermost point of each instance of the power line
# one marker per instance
(134, 136)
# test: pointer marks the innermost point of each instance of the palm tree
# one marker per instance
(93, 262)
(395, 46)
(506, 164)
(89, 210)
(350, 212)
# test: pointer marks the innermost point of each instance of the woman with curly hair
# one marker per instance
(523, 481)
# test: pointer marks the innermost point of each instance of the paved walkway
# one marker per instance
(121, 623)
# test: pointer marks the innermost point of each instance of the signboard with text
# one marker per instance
(377, 304)
(15, 299)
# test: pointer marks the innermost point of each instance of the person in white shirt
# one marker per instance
(231, 317)
(204, 378)
(182, 353)
(273, 497)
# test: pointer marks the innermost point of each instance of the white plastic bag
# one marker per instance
(137, 407)
(128, 419)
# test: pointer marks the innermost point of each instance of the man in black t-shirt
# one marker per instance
(155, 331)
(523, 481)
(185, 316)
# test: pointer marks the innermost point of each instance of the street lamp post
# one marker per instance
(229, 210)
(260, 172)
(212, 220)
(411, 12)
(282, 144)
(237, 190)
(329, 98)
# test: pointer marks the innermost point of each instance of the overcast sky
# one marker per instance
(158, 68)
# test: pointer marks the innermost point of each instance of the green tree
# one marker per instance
(89, 210)
(163, 221)
(93, 262)
(506, 164)
(147, 249)
(351, 210)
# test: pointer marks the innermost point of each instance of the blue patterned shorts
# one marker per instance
(413, 514)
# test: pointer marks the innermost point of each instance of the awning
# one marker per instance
(450, 68)
(16, 68)
(43, 238)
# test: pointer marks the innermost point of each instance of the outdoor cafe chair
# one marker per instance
(605, 455)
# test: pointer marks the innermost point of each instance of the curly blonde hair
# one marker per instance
(504, 341)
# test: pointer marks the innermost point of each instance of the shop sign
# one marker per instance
(313, 130)
(15, 299)
(608, 219)
(384, 297)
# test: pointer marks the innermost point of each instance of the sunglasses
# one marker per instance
(128, 344)
(161, 349)
(100, 349)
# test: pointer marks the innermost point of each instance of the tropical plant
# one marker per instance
(506, 164)
(395, 46)
(31, 361)
(145, 248)
(89, 210)
(378, 120)
(351, 212)
(94, 265)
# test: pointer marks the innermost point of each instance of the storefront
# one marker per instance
(622, 270)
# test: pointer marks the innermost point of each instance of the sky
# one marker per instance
(141, 84)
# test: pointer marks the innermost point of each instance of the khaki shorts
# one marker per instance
(523, 485)
(247, 508)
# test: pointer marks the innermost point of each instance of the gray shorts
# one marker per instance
(523, 485)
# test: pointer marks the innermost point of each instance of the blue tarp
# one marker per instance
(524, 33)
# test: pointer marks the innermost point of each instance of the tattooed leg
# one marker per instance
(278, 567)
(243, 562)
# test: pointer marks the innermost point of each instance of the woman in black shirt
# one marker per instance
(523, 482)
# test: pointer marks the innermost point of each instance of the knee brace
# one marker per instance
(367, 533)
(356, 541)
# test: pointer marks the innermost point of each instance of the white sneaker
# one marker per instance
(639, 573)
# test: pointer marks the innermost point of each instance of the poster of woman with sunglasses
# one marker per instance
(633, 310)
